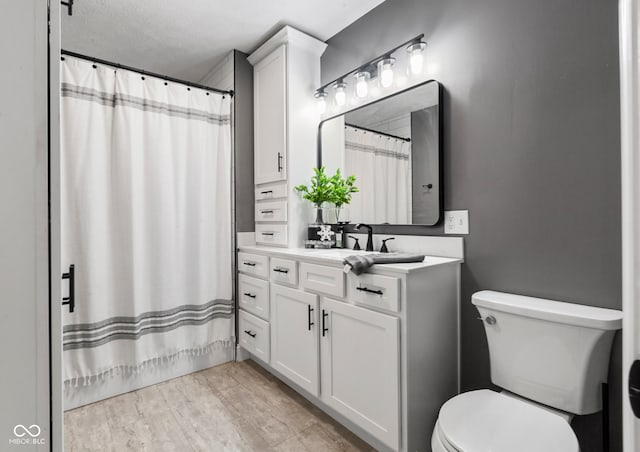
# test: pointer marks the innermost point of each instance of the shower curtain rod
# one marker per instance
(143, 72)
(408, 140)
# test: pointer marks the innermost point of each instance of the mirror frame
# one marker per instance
(400, 229)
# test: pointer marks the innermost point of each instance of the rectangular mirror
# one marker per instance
(392, 146)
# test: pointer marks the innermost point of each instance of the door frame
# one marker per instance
(55, 272)
(629, 22)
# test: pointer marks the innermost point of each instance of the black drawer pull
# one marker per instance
(309, 314)
(267, 233)
(249, 295)
(325, 314)
(365, 289)
(250, 264)
(281, 270)
(266, 211)
(71, 299)
(250, 333)
(266, 192)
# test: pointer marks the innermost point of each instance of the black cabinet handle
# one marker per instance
(71, 299)
(279, 162)
(325, 314)
(250, 264)
(266, 192)
(634, 388)
(250, 333)
(366, 289)
(309, 320)
(249, 295)
(281, 270)
(266, 211)
(267, 233)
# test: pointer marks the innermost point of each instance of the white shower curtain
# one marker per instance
(382, 166)
(146, 220)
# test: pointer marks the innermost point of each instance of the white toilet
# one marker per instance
(551, 357)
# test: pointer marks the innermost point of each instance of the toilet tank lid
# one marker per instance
(553, 311)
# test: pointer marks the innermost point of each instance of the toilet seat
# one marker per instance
(487, 421)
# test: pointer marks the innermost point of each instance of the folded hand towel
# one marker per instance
(361, 263)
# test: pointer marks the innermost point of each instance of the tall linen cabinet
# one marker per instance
(286, 72)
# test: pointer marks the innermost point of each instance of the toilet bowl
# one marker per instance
(551, 359)
(488, 421)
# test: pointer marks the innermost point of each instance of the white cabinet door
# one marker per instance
(294, 336)
(270, 114)
(360, 368)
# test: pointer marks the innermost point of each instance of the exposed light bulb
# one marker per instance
(341, 94)
(362, 84)
(416, 57)
(321, 101)
(386, 72)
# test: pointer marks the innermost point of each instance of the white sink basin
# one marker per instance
(337, 253)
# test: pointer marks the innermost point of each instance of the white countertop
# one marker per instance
(335, 256)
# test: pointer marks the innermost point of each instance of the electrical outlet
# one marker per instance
(456, 222)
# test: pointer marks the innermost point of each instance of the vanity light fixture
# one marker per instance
(362, 83)
(385, 68)
(381, 67)
(416, 56)
(321, 100)
(341, 94)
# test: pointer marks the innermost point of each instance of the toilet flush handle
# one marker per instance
(491, 320)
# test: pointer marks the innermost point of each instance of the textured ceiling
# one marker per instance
(187, 38)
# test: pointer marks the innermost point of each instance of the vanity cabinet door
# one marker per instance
(360, 365)
(294, 336)
(270, 114)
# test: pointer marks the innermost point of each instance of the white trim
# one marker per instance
(292, 37)
(55, 308)
(629, 21)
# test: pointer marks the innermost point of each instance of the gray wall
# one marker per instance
(243, 140)
(531, 148)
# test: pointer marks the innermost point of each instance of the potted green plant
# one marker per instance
(343, 190)
(319, 191)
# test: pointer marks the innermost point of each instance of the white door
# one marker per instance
(294, 336)
(270, 117)
(630, 139)
(360, 365)
(26, 150)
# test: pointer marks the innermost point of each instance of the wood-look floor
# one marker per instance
(232, 407)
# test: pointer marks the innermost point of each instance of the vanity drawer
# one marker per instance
(271, 211)
(323, 279)
(271, 191)
(375, 290)
(253, 295)
(254, 335)
(271, 234)
(253, 264)
(284, 271)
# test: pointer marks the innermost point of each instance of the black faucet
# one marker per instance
(369, 235)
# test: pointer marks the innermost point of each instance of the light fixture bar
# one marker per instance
(366, 66)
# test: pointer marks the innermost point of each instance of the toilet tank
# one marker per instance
(552, 352)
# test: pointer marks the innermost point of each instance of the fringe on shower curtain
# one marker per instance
(146, 220)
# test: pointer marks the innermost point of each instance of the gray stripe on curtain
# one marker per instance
(87, 336)
(144, 315)
(125, 100)
(374, 150)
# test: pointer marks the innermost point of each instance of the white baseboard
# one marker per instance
(242, 354)
(75, 397)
